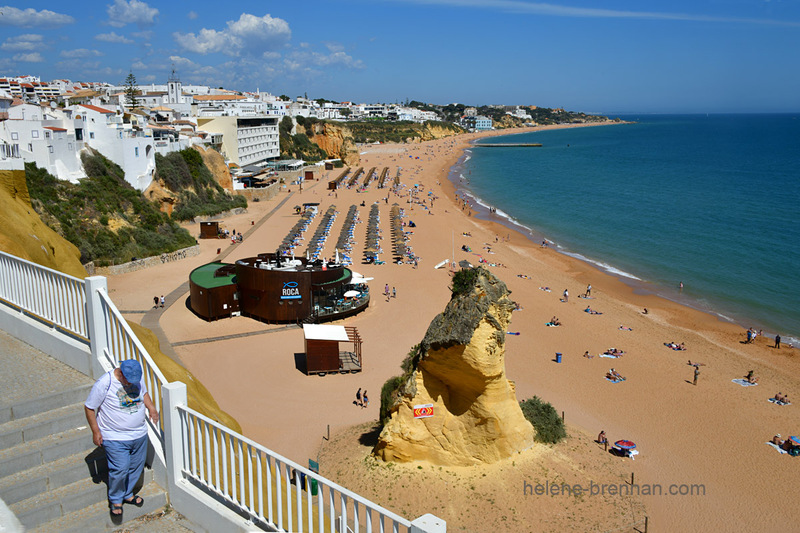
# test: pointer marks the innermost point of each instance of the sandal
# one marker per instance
(116, 507)
(138, 501)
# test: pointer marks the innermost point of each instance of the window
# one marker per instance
(35, 134)
(14, 136)
(30, 147)
(136, 151)
(91, 135)
(47, 135)
(50, 148)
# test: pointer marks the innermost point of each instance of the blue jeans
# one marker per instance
(125, 465)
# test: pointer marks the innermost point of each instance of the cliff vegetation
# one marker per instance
(102, 215)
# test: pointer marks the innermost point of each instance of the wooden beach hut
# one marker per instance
(209, 230)
(323, 355)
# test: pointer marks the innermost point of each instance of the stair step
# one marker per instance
(54, 504)
(54, 474)
(41, 404)
(96, 518)
(32, 454)
(39, 425)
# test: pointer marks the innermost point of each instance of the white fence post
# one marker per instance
(173, 395)
(428, 523)
(98, 340)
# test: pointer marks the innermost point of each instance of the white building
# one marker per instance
(105, 131)
(246, 140)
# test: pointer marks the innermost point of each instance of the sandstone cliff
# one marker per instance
(460, 369)
(337, 141)
(22, 232)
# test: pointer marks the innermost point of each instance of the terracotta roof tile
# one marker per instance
(98, 109)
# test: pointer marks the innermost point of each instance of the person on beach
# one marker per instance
(358, 397)
(394, 292)
(566, 296)
(155, 302)
(601, 438)
(777, 342)
(777, 440)
(386, 290)
(751, 378)
(366, 399)
(696, 374)
(162, 300)
(586, 355)
(588, 291)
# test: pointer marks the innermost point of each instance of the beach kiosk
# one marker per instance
(209, 230)
(323, 355)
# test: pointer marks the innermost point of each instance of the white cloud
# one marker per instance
(81, 52)
(334, 47)
(138, 65)
(182, 62)
(192, 15)
(36, 57)
(538, 8)
(146, 35)
(123, 12)
(113, 38)
(28, 18)
(301, 58)
(27, 41)
(249, 35)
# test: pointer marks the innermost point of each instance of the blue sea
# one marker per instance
(708, 201)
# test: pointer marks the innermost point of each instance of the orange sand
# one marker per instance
(712, 434)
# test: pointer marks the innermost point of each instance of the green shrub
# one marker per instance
(545, 420)
(388, 396)
(464, 281)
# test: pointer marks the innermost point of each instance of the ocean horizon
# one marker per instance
(706, 201)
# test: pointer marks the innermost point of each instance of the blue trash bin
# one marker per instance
(558, 357)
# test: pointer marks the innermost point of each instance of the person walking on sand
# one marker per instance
(778, 341)
(366, 399)
(589, 290)
(155, 302)
(696, 374)
(162, 300)
(566, 296)
(115, 412)
(358, 398)
(386, 290)
(394, 292)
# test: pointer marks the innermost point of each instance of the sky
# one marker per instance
(628, 56)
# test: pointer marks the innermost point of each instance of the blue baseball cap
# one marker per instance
(132, 371)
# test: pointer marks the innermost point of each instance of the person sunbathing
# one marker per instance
(586, 355)
(751, 378)
(555, 321)
(613, 375)
(777, 440)
(591, 311)
(601, 438)
(614, 352)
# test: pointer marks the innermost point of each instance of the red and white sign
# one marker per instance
(423, 411)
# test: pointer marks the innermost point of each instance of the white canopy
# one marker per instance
(319, 332)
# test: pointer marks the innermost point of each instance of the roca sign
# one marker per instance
(290, 291)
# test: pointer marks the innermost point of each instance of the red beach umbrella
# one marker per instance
(625, 444)
(794, 439)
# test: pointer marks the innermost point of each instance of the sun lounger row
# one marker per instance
(368, 177)
(344, 246)
(317, 242)
(355, 176)
(295, 234)
(382, 179)
(372, 246)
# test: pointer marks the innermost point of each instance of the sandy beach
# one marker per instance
(712, 434)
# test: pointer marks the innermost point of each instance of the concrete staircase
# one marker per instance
(52, 477)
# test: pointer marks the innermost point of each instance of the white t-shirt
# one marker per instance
(119, 416)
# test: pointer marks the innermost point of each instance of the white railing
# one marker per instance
(271, 489)
(121, 344)
(45, 293)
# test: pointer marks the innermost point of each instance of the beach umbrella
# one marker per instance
(351, 294)
(625, 444)
(795, 440)
(464, 264)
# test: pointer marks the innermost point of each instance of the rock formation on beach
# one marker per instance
(459, 369)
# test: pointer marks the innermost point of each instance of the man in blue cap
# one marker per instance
(115, 411)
